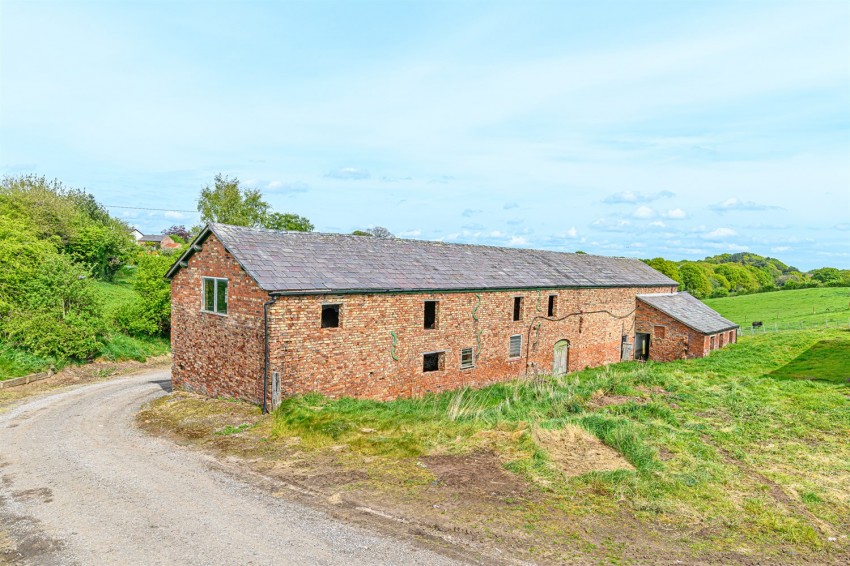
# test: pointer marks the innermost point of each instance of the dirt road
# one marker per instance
(79, 484)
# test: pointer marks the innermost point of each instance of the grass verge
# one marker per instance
(730, 458)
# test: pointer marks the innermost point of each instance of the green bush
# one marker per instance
(150, 313)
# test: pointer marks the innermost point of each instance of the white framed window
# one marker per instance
(214, 295)
(466, 359)
(516, 346)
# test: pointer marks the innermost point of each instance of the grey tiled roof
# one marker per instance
(315, 262)
(690, 311)
(152, 238)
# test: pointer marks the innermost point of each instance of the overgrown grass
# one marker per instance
(799, 307)
(15, 362)
(727, 443)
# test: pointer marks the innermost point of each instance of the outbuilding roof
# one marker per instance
(311, 262)
(152, 238)
(690, 311)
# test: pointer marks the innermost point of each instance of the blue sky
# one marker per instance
(675, 129)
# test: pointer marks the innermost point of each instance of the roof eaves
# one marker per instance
(190, 251)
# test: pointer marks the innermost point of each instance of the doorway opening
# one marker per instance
(641, 346)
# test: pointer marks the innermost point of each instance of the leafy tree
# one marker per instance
(694, 280)
(71, 218)
(377, 232)
(287, 221)
(104, 248)
(228, 203)
(826, 275)
(665, 266)
(178, 230)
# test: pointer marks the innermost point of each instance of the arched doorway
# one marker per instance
(562, 357)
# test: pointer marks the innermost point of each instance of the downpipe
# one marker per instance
(266, 306)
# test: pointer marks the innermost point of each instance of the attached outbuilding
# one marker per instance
(671, 326)
(259, 314)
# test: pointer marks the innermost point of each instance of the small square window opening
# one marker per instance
(430, 314)
(433, 361)
(330, 316)
(517, 308)
(515, 346)
(660, 332)
(466, 359)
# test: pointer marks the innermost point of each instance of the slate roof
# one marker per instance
(152, 238)
(310, 262)
(690, 311)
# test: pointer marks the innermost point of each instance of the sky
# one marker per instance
(637, 129)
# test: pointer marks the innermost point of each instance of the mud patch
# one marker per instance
(480, 472)
(608, 400)
(22, 541)
(575, 451)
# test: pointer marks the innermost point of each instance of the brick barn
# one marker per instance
(257, 314)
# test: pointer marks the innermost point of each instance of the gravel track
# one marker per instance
(79, 484)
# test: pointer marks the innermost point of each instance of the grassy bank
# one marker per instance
(788, 309)
(737, 455)
(117, 346)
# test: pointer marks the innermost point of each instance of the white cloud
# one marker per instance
(631, 197)
(734, 203)
(517, 241)
(675, 214)
(410, 233)
(780, 248)
(469, 212)
(174, 214)
(290, 187)
(348, 174)
(644, 212)
(572, 232)
(658, 224)
(720, 233)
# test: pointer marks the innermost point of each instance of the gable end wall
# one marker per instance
(212, 354)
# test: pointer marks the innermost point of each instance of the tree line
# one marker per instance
(741, 273)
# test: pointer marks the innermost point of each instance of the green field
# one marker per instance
(15, 362)
(801, 308)
(740, 456)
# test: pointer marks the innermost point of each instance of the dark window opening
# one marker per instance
(466, 359)
(430, 314)
(433, 361)
(711, 343)
(517, 308)
(552, 304)
(330, 316)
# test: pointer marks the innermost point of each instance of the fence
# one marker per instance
(786, 325)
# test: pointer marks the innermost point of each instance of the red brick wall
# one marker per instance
(215, 354)
(357, 358)
(680, 341)
(223, 355)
